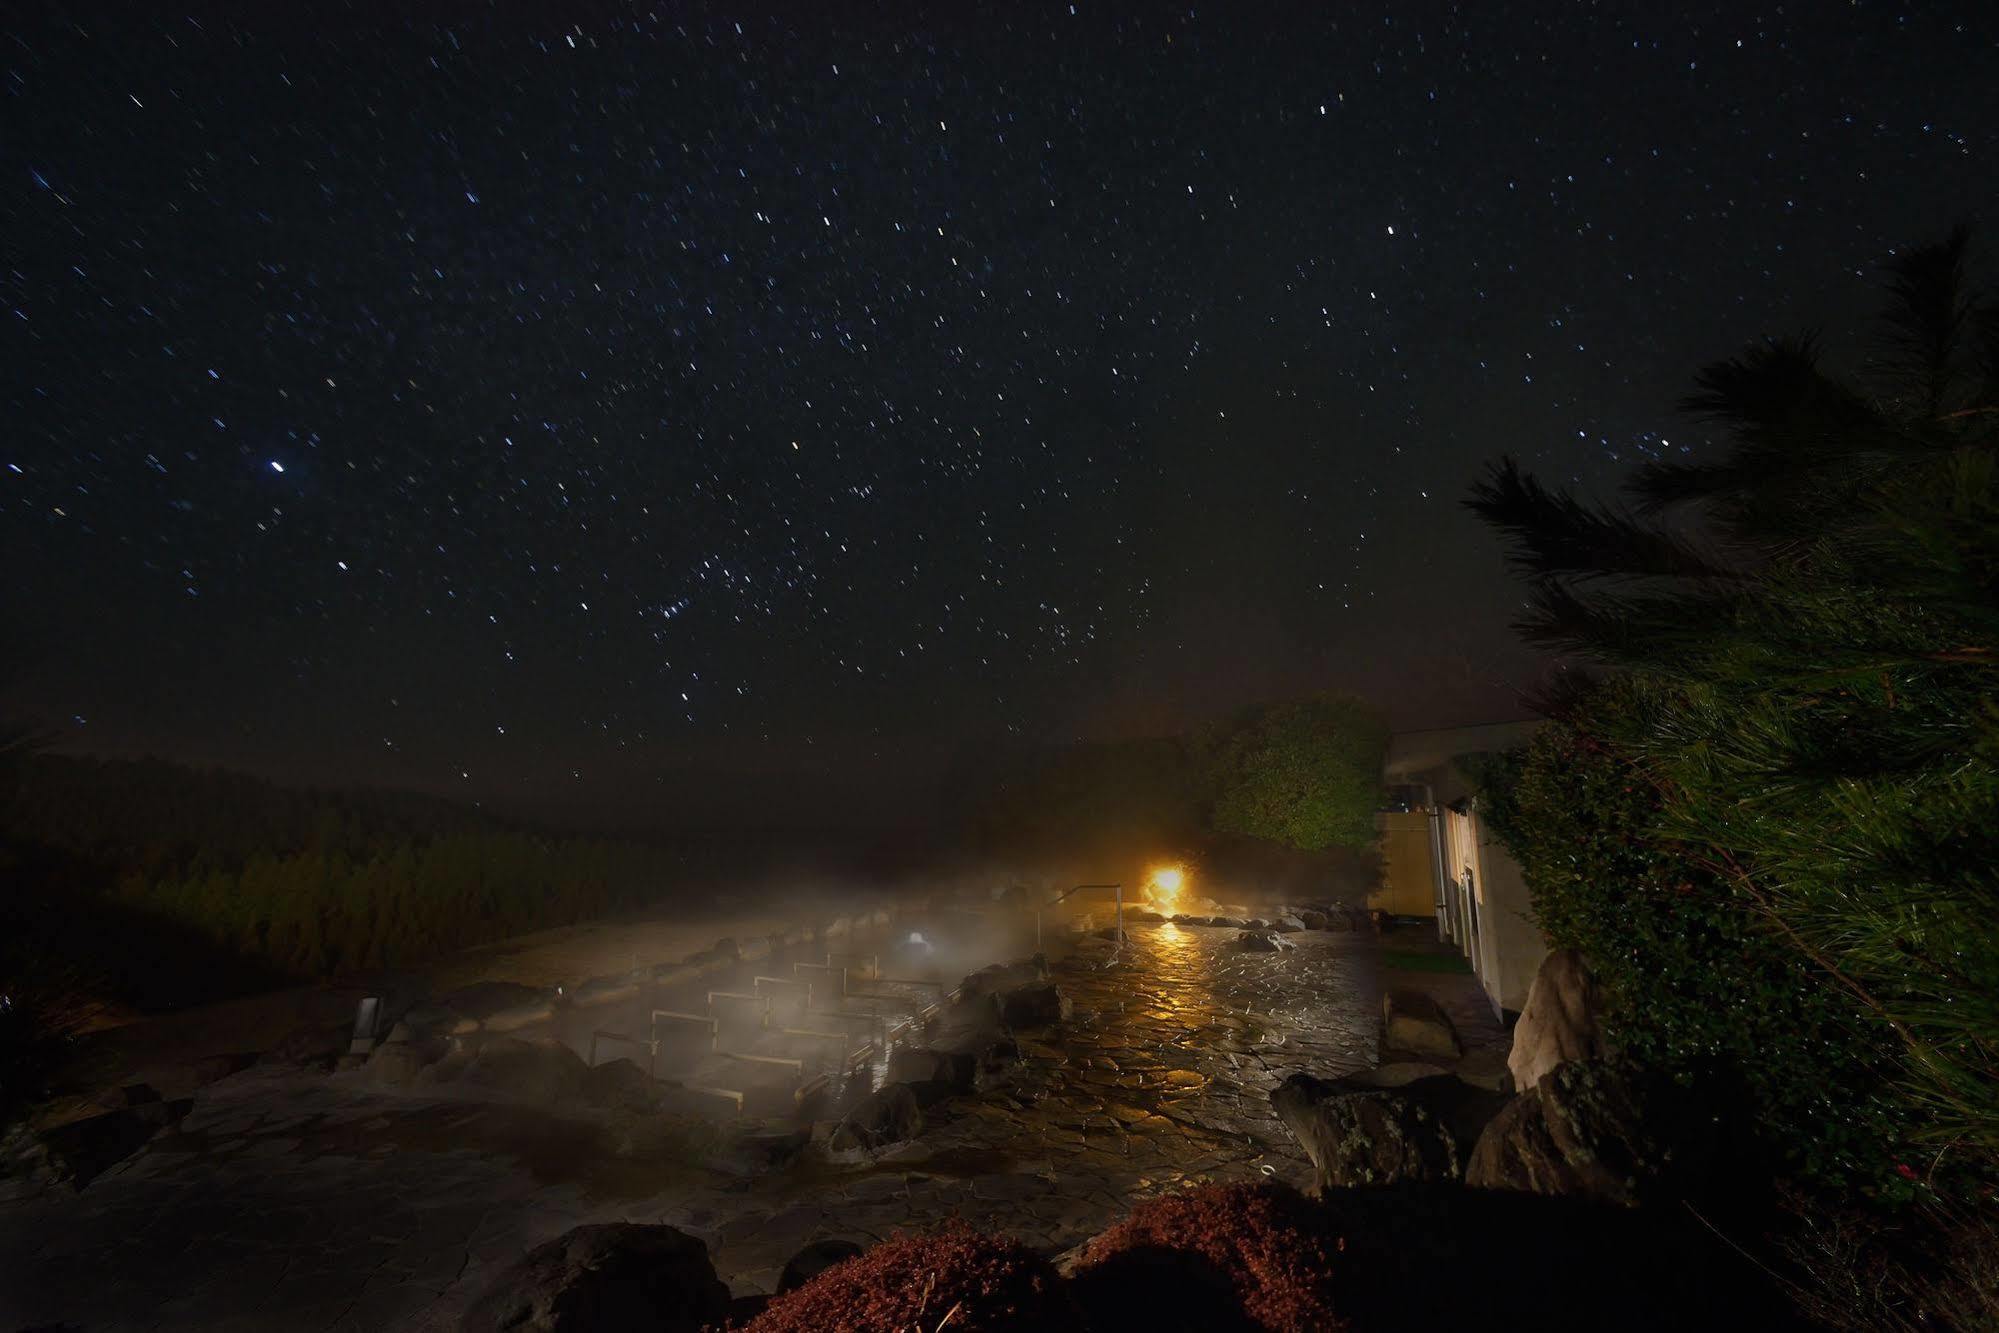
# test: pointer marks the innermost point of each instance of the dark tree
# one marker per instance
(1815, 611)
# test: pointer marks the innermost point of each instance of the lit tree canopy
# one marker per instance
(1307, 773)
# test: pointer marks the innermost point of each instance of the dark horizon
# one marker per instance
(655, 422)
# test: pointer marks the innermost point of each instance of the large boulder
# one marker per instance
(1589, 1128)
(1364, 1138)
(131, 1094)
(756, 1151)
(1009, 995)
(1311, 920)
(1345, 917)
(1262, 941)
(1393, 1124)
(76, 1153)
(962, 1061)
(615, 1276)
(889, 1115)
(933, 1073)
(1416, 1023)
(1034, 1005)
(543, 1073)
(314, 1046)
(1560, 1021)
(620, 1085)
(1000, 977)
(1288, 924)
(398, 1064)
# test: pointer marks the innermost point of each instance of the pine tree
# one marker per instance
(1817, 611)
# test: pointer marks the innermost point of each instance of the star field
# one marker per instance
(526, 396)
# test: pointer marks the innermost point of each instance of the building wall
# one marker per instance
(1408, 867)
(1497, 934)
(1516, 944)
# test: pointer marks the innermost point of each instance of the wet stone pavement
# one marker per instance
(1161, 1077)
(287, 1202)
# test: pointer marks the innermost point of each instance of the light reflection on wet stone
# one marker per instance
(1161, 1079)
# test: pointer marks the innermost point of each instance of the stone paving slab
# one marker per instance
(291, 1202)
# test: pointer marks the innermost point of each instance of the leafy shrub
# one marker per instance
(1697, 984)
(1222, 1257)
(954, 1279)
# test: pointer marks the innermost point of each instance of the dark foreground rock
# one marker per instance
(620, 1085)
(1594, 1129)
(926, 1064)
(598, 1278)
(540, 1073)
(1262, 941)
(397, 1064)
(1001, 977)
(754, 1152)
(813, 1260)
(1005, 995)
(960, 1062)
(1411, 1021)
(1032, 1006)
(82, 1150)
(1384, 1128)
(1364, 1138)
(889, 1115)
(312, 1046)
(132, 1094)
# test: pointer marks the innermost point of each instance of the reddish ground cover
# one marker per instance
(1227, 1256)
(954, 1280)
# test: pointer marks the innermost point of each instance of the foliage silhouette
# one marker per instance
(1822, 719)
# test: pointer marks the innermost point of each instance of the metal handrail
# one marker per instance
(1063, 897)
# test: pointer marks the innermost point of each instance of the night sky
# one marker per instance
(561, 405)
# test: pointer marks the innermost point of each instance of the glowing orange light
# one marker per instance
(1164, 884)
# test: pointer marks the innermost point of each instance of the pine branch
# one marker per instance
(1552, 533)
(1927, 315)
